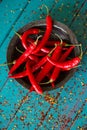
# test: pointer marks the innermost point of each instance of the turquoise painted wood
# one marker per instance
(62, 109)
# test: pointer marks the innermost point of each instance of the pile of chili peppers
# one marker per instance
(43, 58)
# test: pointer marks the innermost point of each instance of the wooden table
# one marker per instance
(62, 109)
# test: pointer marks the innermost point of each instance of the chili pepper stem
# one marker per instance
(19, 50)
(37, 39)
(52, 50)
(17, 34)
(48, 82)
(72, 45)
(4, 64)
(59, 39)
(81, 52)
(46, 8)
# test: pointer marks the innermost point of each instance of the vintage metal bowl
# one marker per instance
(63, 31)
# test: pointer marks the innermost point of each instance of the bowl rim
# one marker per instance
(39, 23)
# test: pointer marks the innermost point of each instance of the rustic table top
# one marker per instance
(62, 109)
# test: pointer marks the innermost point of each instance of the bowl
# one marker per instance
(59, 28)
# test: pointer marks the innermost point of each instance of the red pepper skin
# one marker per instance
(56, 70)
(31, 89)
(26, 34)
(34, 58)
(47, 67)
(32, 79)
(52, 43)
(39, 64)
(19, 75)
(43, 49)
(46, 34)
(40, 54)
(67, 65)
(22, 59)
(71, 63)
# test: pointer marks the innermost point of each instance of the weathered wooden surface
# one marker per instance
(61, 109)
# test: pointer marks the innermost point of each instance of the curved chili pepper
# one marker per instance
(67, 65)
(26, 34)
(32, 79)
(56, 70)
(46, 34)
(22, 58)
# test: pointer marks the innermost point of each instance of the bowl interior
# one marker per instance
(58, 28)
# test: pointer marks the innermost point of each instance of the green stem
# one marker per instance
(48, 82)
(4, 64)
(17, 34)
(72, 44)
(81, 52)
(37, 39)
(46, 8)
(19, 50)
(59, 39)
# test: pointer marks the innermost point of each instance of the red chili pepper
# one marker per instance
(19, 75)
(46, 34)
(39, 64)
(45, 50)
(32, 79)
(67, 65)
(57, 70)
(40, 54)
(26, 34)
(24, 56)
(34, 58)
(31, 56)
(47, 67)
(22, 59)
